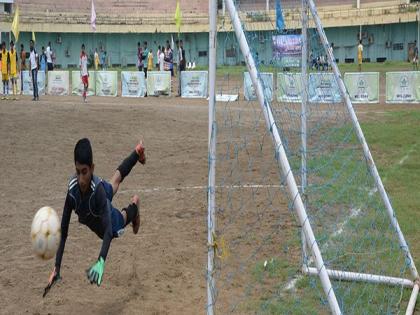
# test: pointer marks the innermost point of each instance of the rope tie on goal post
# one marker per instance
(219, 247)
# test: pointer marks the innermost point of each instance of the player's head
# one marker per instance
(31, 44)
(181, 43)
(21, 46)
(83, 48)
(145, 44)
(83, 162)
(138, 44)
(3, 45)
(12, 45)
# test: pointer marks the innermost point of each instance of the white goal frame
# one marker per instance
(309, 244)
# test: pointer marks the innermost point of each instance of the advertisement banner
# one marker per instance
(106, 83)
(158, 83)
(287, 49)
(27, 83)
(58, 83)
(77, 85)
(289, 87)
(194, 84)
(133, 84)
(267, 82)
(363, 87)
(403, 87)
(323, 88)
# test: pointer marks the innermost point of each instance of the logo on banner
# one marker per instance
(362, 93)
(405, 93)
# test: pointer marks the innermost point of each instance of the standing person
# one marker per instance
(169, 58)
(103, 59)
(84, 74)
(90, 197)
(360, 55)
(43, 60)
(96, 59)
(13, 58)
(145, 58)
(49, 54)
(180, 67)
(158, 58)
(150, 60)
(416, 57)
(33, 65)
(139, 57)
(162, 60)
(22, 66)
(5, 67)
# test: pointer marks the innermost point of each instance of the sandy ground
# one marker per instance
(159, 271)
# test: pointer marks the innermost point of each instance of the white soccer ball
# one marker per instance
(45, 233)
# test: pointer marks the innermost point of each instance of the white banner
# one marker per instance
(158, 83)
(267, 82)
(323, 88)
(77, 85)
(194, 84)
(58, 83)
(289, 87)
(27, 83)
(133, 84)
(106, 83)
(363, 87)
(403, 87)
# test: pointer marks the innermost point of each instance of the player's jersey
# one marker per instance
(83, 64)
(93, 210)
(13, 62)
(4, 61)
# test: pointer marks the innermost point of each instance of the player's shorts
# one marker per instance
(5, 77)
(117, 219)
(85, 80)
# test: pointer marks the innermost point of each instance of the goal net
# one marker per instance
(299, 220)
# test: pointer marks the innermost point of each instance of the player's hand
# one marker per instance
(140, 151)
(54, 277)
(95, 272)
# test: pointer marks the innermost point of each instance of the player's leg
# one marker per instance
(138, 155)
(131, 214)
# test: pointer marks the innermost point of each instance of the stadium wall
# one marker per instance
(387, 42)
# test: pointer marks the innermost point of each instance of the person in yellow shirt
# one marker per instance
(13, 57)
(360, 55)
(150, 60)
(5, 63)
(96, 59)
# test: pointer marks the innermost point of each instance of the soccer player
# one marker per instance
(5, 68)
(90, 197)
(13, 57)
(145, 58)
(33, 65)
(84, 74)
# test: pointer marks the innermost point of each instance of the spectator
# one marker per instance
(139, 57)
(169, 58)
(415, 60)
(22, 66)
(145, 59)
(96, 59)
(162, 59)
(157, 58)
(150, 60)
(360, 55)
(103, 58)
(43, 60)
(33, 66)
(49, 55)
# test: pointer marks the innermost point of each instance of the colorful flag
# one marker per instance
(93, 18)
(15, 25)
(33, 37)
(279, 16)
(178, 17)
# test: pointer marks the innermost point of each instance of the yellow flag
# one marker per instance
(15, 25)
(33, 37)
(178, 17)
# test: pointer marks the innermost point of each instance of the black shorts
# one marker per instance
(50, 66)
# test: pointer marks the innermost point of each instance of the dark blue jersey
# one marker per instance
(93, 210)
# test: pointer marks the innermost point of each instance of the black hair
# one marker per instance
(12, 43)
(83, 152)
(145, 43)
(83, 46)
(21, 46)
(138, 43)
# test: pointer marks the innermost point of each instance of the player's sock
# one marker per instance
(128, 164)
(131, 211)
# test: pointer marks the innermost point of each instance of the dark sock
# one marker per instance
(128, 164)
(131, 211)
